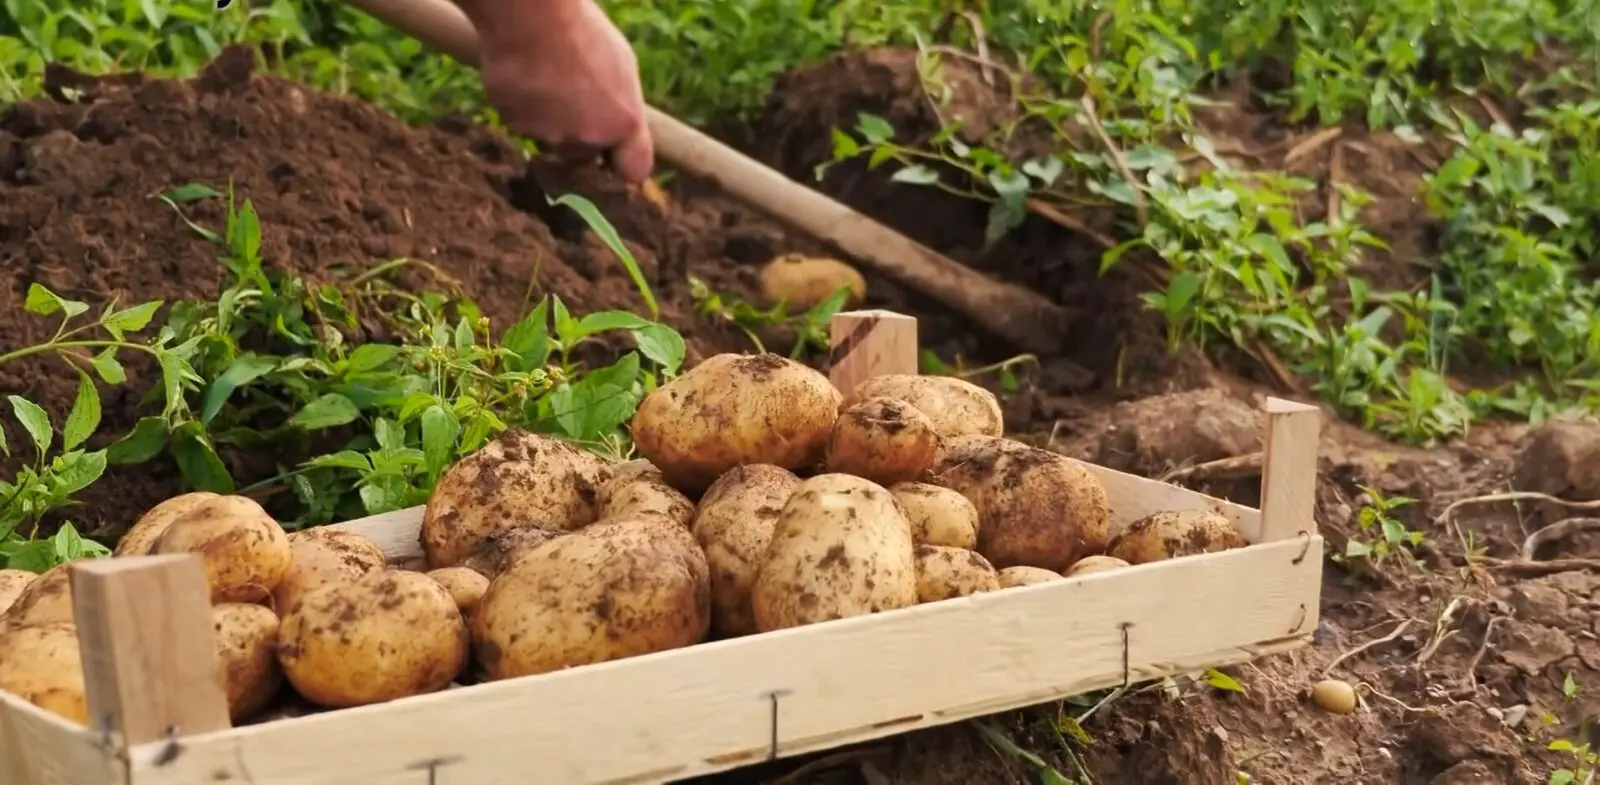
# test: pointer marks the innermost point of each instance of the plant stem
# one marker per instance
(41, 348)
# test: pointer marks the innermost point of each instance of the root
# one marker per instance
(1397, 632)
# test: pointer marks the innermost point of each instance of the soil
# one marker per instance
(1461, 663)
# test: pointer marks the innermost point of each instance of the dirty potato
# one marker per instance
(734, 525)
(40, 665)
(1035, 508)
(46, 599)
(1025, 576)
(141, 538)
(386, 635)
(1173, 534)
(321, 555)
(882, 440)
(944, 573)
(518, 479)
(466, 587)
(841, 547)
(613, 590)
(938, 516)
(247, 657)
(955, 407)
(804, 282)
(1092, 564)
(12, 582)
(244, 551)
(644, 493)
(498, 551)
(732, 410)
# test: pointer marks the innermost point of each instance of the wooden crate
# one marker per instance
(161, 718)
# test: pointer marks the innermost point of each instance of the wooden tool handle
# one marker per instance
(1018, 315)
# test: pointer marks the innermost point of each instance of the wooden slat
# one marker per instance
(1289, 471)
(39, 748)
(709, 707)
(864, 344)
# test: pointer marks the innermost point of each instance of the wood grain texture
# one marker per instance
(1289, 471)
(39, 748)
(864, 344)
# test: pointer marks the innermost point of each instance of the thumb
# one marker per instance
(634, 158)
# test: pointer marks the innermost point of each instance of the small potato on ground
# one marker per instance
(613, 590)
(46, 599)
(804, 282)
(944, 573)
(1174, 534)
(12, 582)
(321, 555)
(386, 635)
(883, 440)
(733, 410)
(493, 554)
(1091, 564)
(517, 479)
(140, 539)
(734, 525)
(938, 516)
(40, 664)
(244, 551)
(247, 657)
(466, 587)
(644, 494)
(841, 547)
(1026, 576)
(955, 407)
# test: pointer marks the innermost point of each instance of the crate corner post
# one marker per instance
(148, 648)
(864, 344)
(1289, 470)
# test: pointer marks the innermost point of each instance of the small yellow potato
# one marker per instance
(804, 282)
(944, 573)
(955, 407)
(1334, 696)
(883, 440)
(466, 586)
(1026, 576)
(247, 657)
(500, 550)
(140, 539)
(40, 664)
(1089, 564)
(244, 551)
(1174, 534)
(734, 524)
(938, 516)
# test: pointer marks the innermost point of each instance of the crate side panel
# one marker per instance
(654, 718)
(1133, 497)
(39, 748)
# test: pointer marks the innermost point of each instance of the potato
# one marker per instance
(938, 516)
(732, 410)
(734, 525)
(247, 657)
(40, 664)
(841, 547)
(518, 479)
(613, 590)
(634, 469)
(321, 555)
(1025, 576)
(882, 440)
(804, 282)
(1173, 534)
(45, 600)
(498, 551)
(1035, 508)
(955, 407)
(141, 538)
(1089, 564)
(644, 493)
(386, 635)
(944, 573)
(12, 582)
(466, 587)
(245, 552)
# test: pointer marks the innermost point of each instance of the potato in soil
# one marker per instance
(955, 407)
(12, 582)
(734, 525)
(613, 590)
(1025, 576)
(1174, 534)
(732, 410)
(882, 440)
(1093, 564)
(518, 479)
(497, 552)
(938, 516)
(841, 547)
(804, 282)
(323, 555)
(945, 573)
(247, 657)
(644, 493)
(40, 664)
(244, 551)
(386, 635)
(140, 539)
(46, 599)
(1035, 508)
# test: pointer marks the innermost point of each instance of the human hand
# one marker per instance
(562, 74)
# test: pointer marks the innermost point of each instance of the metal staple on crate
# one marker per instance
(1127, 655)
(772, 697)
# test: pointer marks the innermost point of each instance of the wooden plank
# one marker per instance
(148, 648)
(864, 344)
(39, 748)
(711, 707)
(1289, 471)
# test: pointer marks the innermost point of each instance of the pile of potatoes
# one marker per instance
(764, 499)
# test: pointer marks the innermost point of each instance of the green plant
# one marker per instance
(48, 484)
(1382, 536)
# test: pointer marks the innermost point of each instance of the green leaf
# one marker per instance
(134, 318)
(108, 367)
(71, 546)
(245, 369)
(85, 414)
(662, 344)
(197, 460)
(529, 339)
(873, 128)
(439, 430)
(600, 402)
(34, 420)
(329, 411)
(76, 471)
(370, 357)
(602, 321)
(916, 174)
(191, 192)
(32, 555)
(44, 302)
(1222, 681)
(608, 234)
(145, 441)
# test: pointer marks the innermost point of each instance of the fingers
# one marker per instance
(634, 158)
